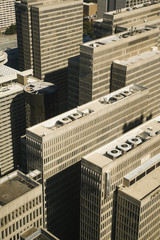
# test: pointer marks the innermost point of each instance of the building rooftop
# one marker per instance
(144, 186)
(125, 36)
(114, 150)
(6, 71)
(80, 113)
(132, 10)
(40, 87)
(37, 234)
(13, 186)
(144, 56)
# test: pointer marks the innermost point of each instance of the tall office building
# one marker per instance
(96, 59)
(49, 33)
(55, 146)
(7, 13)
(20, 205)
(110, 5)
(114, 22)
(138, 206)
(142, 69)
(103, 170)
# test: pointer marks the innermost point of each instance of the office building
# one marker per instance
(57, 145)
(110, 5)
(138, 206)
(48, 39)
(14, 114)
(7, 13)
(142, 69)
(102, 171)
(40, 101)
(33, 234)
(114, 22)
(96, 59)
(12, 119)
(20, 205)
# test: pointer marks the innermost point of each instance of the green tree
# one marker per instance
(11, 30)
(88, 28)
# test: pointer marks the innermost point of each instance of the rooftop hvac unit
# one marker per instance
(124, 147)
(126, 93)
(135, 141)
(63, 121)
(118, 97)
(75, 116)
(114, 153)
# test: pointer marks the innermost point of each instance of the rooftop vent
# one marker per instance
(135, 141)
(63, 121)
(124, 147)
(118, 97)
(75, 115)
(126, 93)
(114, 153)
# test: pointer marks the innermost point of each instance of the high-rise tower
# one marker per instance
(49, 33)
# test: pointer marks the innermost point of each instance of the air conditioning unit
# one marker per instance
(135, 141)
(75, 115)
(114, 153)
(118, 96)
(126, 93)
(63, 121)
(124, 147)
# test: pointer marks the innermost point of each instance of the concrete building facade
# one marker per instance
(7, 13)
(138, 208)
(56, 146)
(103, 170)
(20, 205)
(49, 38)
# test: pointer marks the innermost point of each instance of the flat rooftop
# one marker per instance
(40, 87)
(119, 37)
(13, 186)
(107, 102)
(144, 133)
(38, 234)
(6, 71)
(144, 186)
(141, 57)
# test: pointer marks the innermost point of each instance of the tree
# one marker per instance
(11, 30)
(88, 28)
